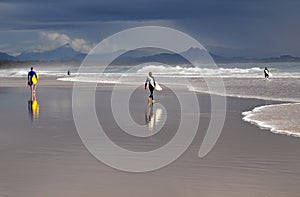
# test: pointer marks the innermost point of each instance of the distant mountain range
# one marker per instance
(63, 53)
(67, 53)
(194, 54)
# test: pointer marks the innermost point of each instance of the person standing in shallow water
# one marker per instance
(266, 71)
(150, 81)
(31, 75)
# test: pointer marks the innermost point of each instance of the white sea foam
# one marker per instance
(197, 71)
(279, 118)
(88, 80)
(255, 71)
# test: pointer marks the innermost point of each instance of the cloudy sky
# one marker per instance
(252, 28)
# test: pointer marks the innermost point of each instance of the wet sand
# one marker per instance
(42, 154)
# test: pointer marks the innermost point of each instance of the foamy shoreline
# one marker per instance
(278, 118)
(248, 116)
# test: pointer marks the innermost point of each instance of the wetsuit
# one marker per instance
(266, 71)
(151, 85)
(30, 75)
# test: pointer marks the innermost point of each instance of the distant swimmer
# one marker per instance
(150, 81)
(32, 80)
(267, 73)
(69, 73)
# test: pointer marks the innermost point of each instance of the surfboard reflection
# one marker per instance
(153, 117)
(33, 107)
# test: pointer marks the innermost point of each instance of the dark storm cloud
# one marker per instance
(230, 27)
(93, 10)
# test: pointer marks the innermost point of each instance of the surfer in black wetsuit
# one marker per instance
(266, 71)
(151, 84)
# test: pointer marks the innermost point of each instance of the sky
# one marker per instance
(250, 28)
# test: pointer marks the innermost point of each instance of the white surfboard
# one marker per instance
(269, 73)
(157, 87)
(151, 81)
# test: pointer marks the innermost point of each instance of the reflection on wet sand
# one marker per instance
(153, 117)
(33, 107)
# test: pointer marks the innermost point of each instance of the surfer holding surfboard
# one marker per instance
(32, 80)
(152, 85)
(267, 73)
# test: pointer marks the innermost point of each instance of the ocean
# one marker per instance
(245, 80)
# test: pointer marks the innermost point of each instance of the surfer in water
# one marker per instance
(267, 72)
(150, 81)
(32, 80)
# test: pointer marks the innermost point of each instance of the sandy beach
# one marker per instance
(43, 155)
